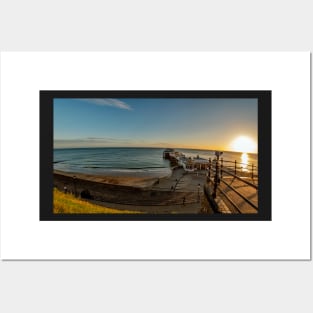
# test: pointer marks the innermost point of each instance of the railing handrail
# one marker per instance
(217, 168)
(230, 200)
(241, 168)
(243, 180)
(225, 170)
(237, 192)
(240, 195)
(235, 162)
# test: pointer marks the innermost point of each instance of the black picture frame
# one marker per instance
(264, 97)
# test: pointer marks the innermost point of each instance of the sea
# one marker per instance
(132, 161)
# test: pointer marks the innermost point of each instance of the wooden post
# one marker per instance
(209, 174)
(252, 172)
(215, 180)
(235, 167)
(221, 168)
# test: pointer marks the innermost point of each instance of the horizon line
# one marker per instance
(147, 147)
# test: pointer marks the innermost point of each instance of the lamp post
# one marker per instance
(216, 177)
(74, 181)
(209, 170)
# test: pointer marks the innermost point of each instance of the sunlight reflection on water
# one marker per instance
(244, 161)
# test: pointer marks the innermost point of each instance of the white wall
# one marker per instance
(150, 286)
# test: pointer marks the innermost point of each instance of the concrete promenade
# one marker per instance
(181, 181)
(188, 208)
(181, 185)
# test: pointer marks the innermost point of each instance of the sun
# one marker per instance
(244, 144)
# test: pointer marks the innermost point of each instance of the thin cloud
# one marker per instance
(91, 142)
(109, 102)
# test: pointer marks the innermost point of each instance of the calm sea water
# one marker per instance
(128, 161)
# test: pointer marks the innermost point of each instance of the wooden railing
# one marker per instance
(236, 168)
(220, 169)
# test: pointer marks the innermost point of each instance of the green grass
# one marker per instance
(68, 204)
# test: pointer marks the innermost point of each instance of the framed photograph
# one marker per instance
(155, 155)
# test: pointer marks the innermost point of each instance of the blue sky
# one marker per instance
(184, 123)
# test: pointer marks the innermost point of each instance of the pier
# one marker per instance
(225, 187)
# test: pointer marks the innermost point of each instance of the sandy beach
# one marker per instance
(161, 194)
(133, 181)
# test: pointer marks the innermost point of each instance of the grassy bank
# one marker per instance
(68, 204)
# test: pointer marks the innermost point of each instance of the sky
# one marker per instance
(214, 124)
